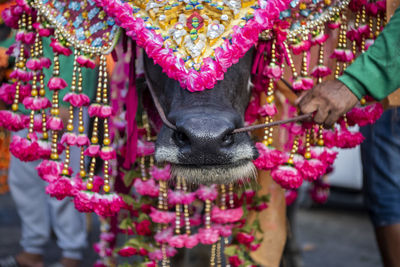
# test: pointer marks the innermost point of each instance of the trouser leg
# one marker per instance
(27, 190)
(381, 157)
(68, 224)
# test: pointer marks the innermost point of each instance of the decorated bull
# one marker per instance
(211, 68)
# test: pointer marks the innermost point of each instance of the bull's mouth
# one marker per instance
(215, 174)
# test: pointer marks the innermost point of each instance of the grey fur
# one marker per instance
(222, 174)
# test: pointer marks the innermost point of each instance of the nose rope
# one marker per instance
(238, 130)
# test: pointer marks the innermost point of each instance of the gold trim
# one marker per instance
(103, 50)
(305, 29)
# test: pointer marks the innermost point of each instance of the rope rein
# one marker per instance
(238, 130)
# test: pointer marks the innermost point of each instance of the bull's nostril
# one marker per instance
(227, 140)
(181, 138)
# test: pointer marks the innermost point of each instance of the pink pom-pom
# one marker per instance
(158, 216)
(92, 151)
(55, 124)
(13, 121)
(36, 103)
(269, 157)
(208, 236)
(50, 170)
(77, 100)
(60, 188)
(24, 149)
(146, 188)
(287, 176)
(60, 48)
(57, 83)
(162, 174)
(321, 71)
(273, 71)
(207, 192)
(86, 62)
(226, 216)
(268, 110)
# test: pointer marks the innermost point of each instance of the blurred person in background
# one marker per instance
(375, 73)
(41, 214)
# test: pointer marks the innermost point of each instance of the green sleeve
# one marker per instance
(377, 71)
(66, 66)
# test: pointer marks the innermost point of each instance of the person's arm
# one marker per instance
(377, 71)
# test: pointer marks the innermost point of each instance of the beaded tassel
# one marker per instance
(293, 151)
(356, 25)
(307, 153)
(341, 44)
(290, 62)
(320, 59)
(178, 209)
(70, 123)
(363, 21)
(34, 91)
(320, 140)
(55, 110)
(20, 64)
(106, 140)
(304, 62)
(95, 139)
(81, 126)
(21, 61)
(186, 208)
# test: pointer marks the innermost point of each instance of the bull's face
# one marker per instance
(203, 148)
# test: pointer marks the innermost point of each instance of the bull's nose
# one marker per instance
(204, 137)
(197, 134)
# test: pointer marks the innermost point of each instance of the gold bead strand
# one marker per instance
(213, 254)
(106, 140)
(295, 147)
(321, 57)
(55, 111)
(307, 154)
(42, 91)
(295, 75)
(20, 64)
(356, 26)
(320, 140)
(186, 209)
(378, 24)
(34, 91)
(270, 90)
(81, 126)
(95, 139)
(304, 67)
(178, 209)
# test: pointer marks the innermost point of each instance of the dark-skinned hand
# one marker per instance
(329, 100)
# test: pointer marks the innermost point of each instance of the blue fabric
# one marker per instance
(380, 154)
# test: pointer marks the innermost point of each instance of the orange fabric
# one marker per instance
(273, 219)
(110, 64)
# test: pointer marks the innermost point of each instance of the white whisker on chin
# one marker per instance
(223, 174)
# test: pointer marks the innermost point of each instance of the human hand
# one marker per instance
(329, 100)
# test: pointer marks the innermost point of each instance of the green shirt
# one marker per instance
(377, 71)
(66, 67)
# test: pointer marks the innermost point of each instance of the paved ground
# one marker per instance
(10, 234)
(338, 235)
